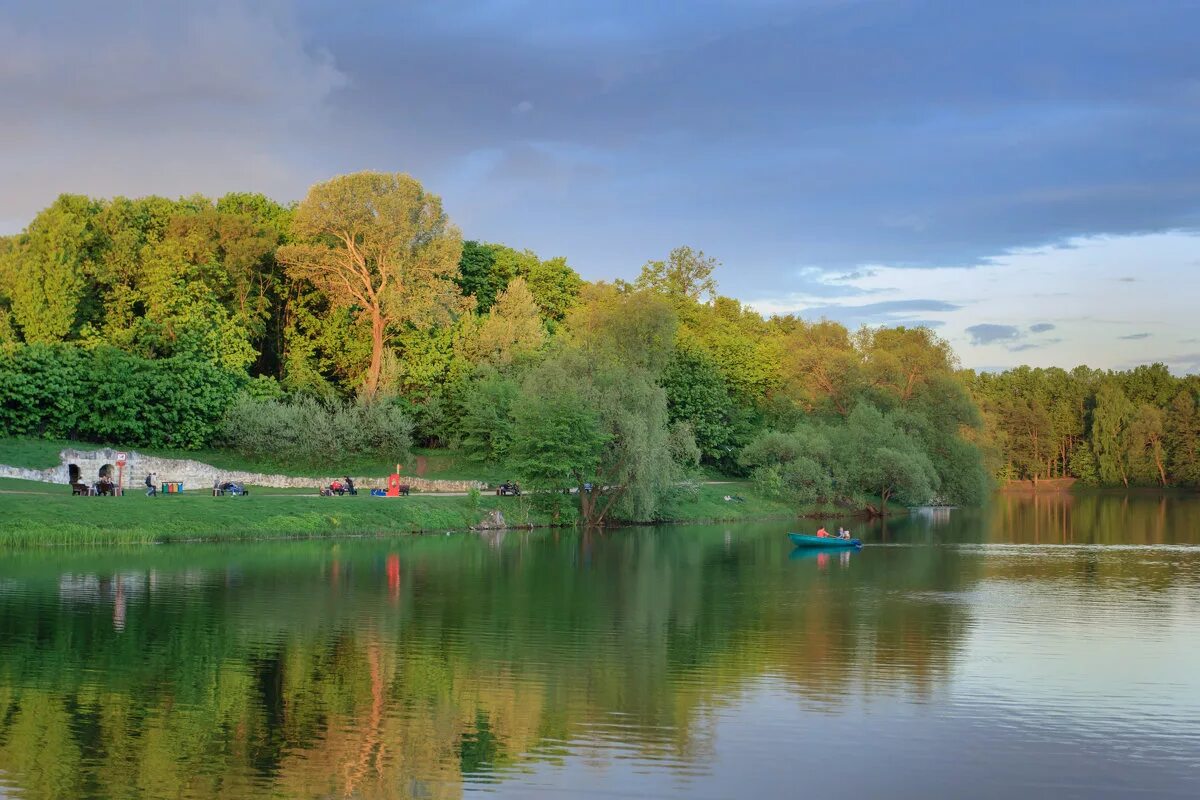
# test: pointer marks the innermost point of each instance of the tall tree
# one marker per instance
(381, 245)
(686, 276)
(1183, 440)
(1148, 458)
(511, 329)
(1110, 433)
(44, 270)
(899, 360)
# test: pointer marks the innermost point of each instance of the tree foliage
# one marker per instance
(1103, 428)
(365, 288)
(380, 245)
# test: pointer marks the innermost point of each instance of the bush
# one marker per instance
(110, 396)
(308, 431)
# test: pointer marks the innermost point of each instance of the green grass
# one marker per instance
(35, 513)
(707, 503)
(439, 464)
(40, 514)
(31, 453)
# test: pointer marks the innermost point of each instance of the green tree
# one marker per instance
(791, 466)
(486, 426)
(381, 245)
(820, 369)
(697, 394)
(1182, 437)
(555, 287)
(685, 277)
(1148, 458)
(1111, 419)
(44, 270)
(558, 438)
(486, 269)
(511, 330)
(876, 457)
(898, 360)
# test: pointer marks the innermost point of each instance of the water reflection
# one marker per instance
(672, 662)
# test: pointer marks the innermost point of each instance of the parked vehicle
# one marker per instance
(508, 489)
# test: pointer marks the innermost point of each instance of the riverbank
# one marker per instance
(40, 514)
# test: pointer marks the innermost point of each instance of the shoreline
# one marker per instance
(46, 515)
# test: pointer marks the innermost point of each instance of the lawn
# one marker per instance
(36, 513)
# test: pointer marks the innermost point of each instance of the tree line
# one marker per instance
(366, 293)
(1138, 427)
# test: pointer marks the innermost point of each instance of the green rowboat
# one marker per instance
(808, 540)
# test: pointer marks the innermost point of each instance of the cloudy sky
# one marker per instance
(1023, 175)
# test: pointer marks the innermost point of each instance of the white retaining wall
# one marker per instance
(195, 475)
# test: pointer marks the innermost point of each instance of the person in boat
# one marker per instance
(845, 534)
(822, 533)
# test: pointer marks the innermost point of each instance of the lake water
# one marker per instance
(1036, 648)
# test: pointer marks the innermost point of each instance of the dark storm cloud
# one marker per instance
(830, 132)
(988, 333)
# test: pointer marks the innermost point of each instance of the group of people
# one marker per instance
(344, 486)
(841, 534)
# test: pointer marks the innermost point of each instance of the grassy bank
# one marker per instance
(46, 514)
(36, 513)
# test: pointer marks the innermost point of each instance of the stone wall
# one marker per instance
(196, 475)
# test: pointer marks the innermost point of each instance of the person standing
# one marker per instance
(151, 491)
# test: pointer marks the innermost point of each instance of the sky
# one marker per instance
(1024, 175)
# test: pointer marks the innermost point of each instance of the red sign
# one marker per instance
(120, 459)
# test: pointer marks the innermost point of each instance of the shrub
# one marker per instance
(108, 395)
(308, 431)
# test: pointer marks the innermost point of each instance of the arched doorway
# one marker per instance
(73, 473)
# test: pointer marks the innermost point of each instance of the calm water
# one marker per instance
(1047, 649)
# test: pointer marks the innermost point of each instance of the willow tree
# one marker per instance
(378, 244)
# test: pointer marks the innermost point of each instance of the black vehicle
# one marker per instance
(508, 489)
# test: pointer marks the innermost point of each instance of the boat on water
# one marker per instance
(808, 540)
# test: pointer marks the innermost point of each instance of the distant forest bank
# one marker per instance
(358, 323)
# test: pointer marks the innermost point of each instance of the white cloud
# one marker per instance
(1080, 289)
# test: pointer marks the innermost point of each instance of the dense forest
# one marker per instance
(360, 319)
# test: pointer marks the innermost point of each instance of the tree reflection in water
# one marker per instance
(404, 668)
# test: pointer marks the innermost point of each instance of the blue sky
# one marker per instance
(989, 168)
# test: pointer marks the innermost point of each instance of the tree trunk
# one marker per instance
(586, 505)
(371, 387)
